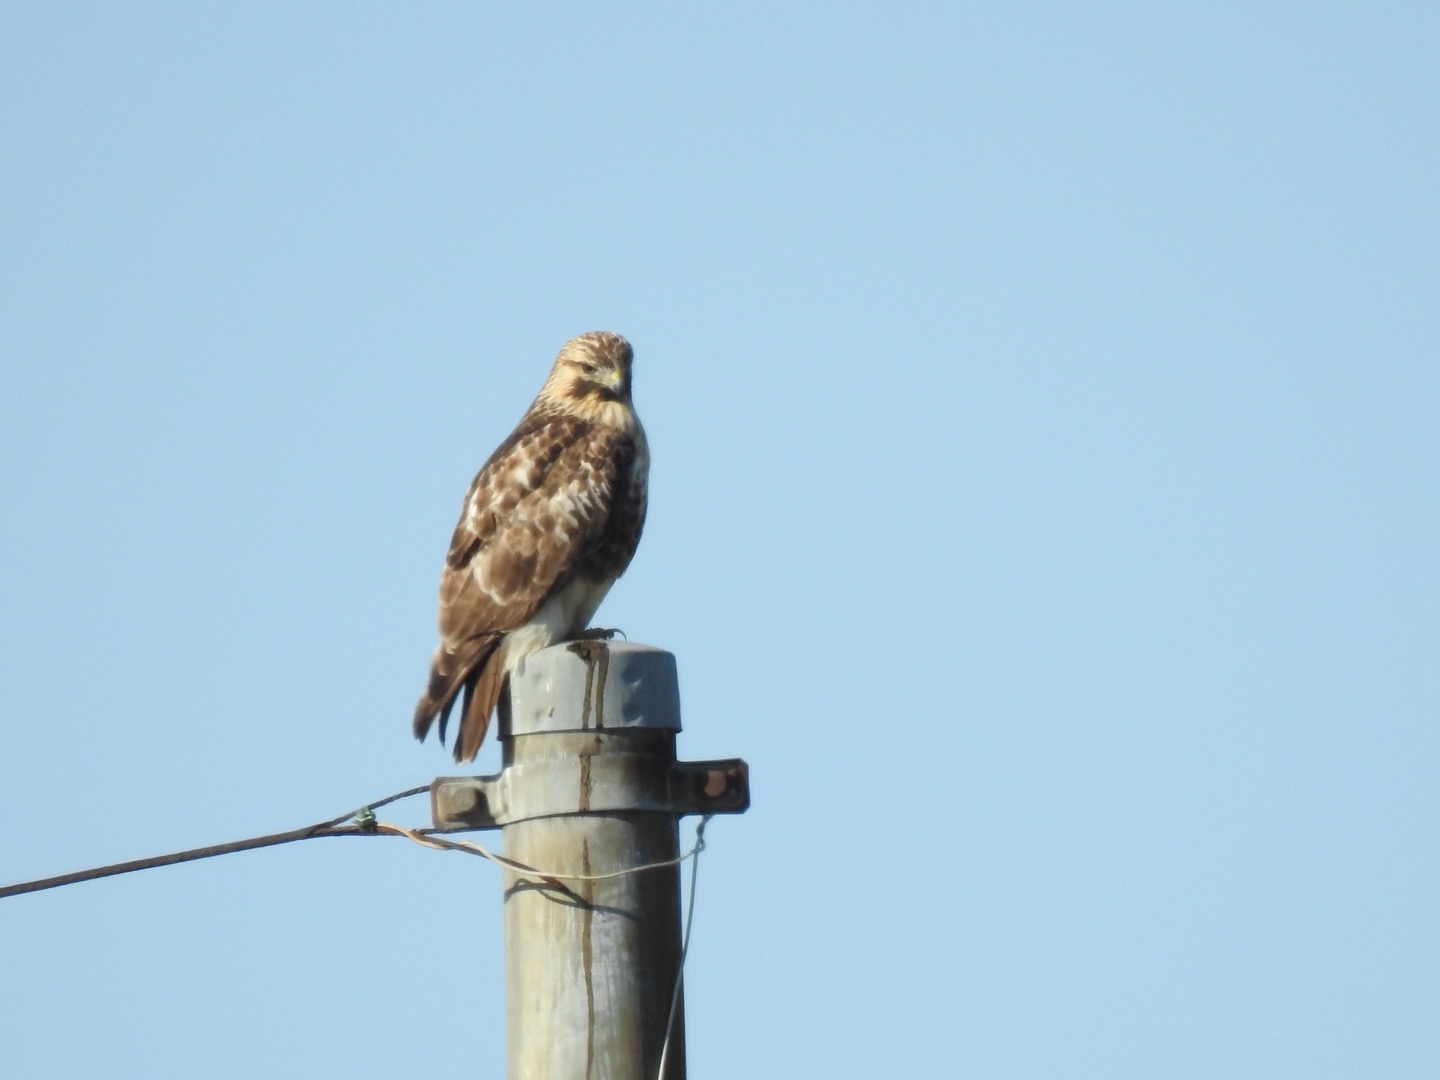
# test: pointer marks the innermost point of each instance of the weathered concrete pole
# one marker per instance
(591, 787)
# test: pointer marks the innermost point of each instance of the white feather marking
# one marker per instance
(562, 616)
(520, 472)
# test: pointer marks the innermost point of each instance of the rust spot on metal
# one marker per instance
(586, 783)
(596, 655)
(587, 962)
(582, 650)
(604, 674)
(718, 782)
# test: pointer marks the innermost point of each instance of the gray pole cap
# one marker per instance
(594, 686)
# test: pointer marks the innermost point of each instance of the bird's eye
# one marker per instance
(588, 367)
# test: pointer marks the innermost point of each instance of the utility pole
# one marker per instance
(590, 790)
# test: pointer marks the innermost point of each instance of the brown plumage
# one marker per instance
(552, 519)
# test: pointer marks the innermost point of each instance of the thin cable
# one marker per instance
(333, 827)
(555, 881)
(363, 824)
(430, 840)
(684, 944)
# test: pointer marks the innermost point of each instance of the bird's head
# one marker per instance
(591, 378)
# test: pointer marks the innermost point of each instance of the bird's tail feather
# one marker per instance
(450, 672)
(481, 697)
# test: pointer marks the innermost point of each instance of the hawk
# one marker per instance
(549, 523)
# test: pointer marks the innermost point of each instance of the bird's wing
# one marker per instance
(535, 511)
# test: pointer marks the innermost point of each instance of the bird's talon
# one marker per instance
(598, 633)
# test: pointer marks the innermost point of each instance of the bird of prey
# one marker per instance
(549, 523)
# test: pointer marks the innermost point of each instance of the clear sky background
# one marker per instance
(1045, 501)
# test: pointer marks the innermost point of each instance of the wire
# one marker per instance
(364, 819)
(556, 881)
(364, 824)
(430, 840)
(684, 944)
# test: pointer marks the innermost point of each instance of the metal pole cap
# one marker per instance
(593, 685)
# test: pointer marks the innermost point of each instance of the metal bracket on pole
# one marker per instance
(593, 785)
(590, 788)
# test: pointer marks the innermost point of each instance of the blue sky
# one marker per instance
(1045, 500)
